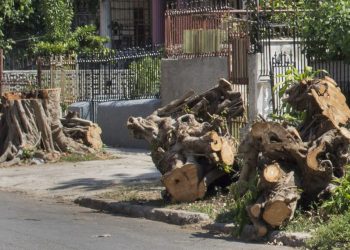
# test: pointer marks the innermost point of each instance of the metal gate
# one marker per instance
(239, 46)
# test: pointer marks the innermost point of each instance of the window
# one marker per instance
(131, 23)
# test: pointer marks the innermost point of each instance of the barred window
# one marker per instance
(131, 23)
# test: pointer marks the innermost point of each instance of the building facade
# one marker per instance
(136, 23)
(132, 23)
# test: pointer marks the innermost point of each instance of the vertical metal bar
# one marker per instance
(39, 72)
(1, 69)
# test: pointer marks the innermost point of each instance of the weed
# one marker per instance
(333, 235)
(340, 198)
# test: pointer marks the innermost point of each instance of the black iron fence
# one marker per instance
(282, 49)
(123, 75)
(120, 75)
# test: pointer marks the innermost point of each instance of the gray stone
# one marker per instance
(225, 228)
(292, 239)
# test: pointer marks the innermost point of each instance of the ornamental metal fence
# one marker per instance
(120, 75)
(123, 75)
(197, 29)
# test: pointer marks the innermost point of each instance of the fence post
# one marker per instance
(38, 64)
(1, 69)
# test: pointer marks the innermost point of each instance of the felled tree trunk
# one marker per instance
(190, 143)
(289, 159)
(31, 122)
(82, 131)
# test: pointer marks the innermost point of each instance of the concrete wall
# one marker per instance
(178, 76)
(112, 118)
(82, 108)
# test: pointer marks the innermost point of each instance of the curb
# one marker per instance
(180, 217)
(176, 217)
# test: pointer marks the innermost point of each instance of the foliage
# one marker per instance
(333, 235)
(340, 199)
(47, 29)
(292, 77)
(57, 17)
(27, 153)
(325, 27)
(239, 204)
(145, 76)
(82, 40)
(12, 12)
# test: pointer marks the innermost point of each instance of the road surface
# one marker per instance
(32, 224)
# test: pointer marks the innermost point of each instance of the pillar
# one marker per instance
(158, 10)
(106, 21)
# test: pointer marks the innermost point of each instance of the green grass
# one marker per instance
(73, 157)
(335, 234)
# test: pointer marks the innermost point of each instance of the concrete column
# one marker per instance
(106, 20)
(158, 9)
(259, 97)
(253, 79)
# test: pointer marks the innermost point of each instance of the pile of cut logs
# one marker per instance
(190, 141)
(32, 122)
(297, 164)
(191, 146)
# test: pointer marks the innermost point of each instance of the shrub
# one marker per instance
(145, 77)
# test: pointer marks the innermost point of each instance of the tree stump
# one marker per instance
(31, 122)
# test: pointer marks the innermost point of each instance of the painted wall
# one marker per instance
(178, 76)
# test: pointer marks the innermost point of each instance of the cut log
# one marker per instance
(82, 130)
(271, 174)
(289, 159)
(184, 183)
(192, 127)
(227, 152)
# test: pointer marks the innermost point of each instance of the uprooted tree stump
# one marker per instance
(294, 163)
(31, 121)
(190, 141)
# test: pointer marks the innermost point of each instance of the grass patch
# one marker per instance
(335, 234)
(216, 206)
(303, 222)
(74, 157)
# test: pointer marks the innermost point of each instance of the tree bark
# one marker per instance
(189, 139)
(31, 122)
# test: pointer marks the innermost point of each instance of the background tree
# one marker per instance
(12, 12)
(45, 28)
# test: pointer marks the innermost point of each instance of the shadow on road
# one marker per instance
(93, 184)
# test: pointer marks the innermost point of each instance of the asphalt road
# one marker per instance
(31, 224)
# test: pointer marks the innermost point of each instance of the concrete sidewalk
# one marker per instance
(70, 180)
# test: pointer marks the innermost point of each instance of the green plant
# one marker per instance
(27, 153)
(292, 77)
(239, 203)
(332, 235)
(324, 27)
(340, 199)
(12, 12)
(83, 40)
(145, 76)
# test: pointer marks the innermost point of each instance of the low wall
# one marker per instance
(178, 76)
(82, 108)
(112, 118)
